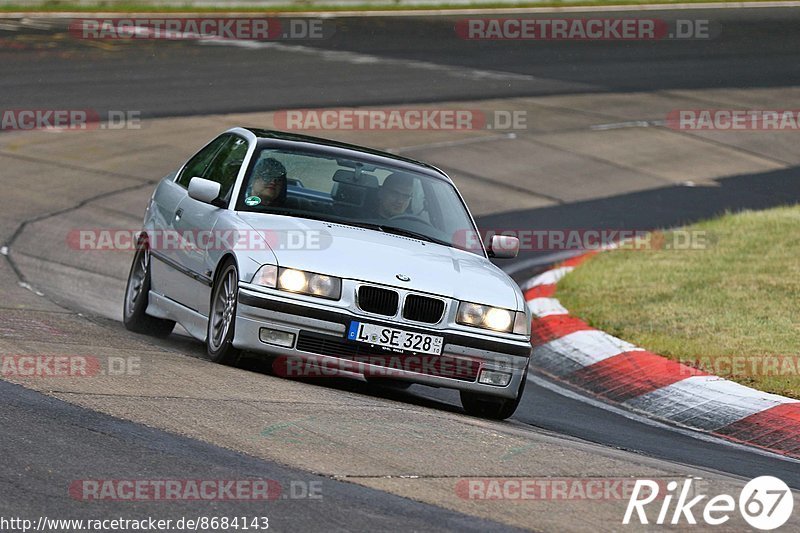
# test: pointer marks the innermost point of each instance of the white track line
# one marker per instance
(367, 59)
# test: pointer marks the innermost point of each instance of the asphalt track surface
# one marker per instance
(56, 442)
(757, 48)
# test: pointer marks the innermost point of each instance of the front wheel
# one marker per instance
(484, 406)
(222, 318)
(136, 298)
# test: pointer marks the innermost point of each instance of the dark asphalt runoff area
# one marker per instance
(53, 442)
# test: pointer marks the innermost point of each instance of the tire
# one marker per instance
(484, 406)
(222, 315)
(137, 295)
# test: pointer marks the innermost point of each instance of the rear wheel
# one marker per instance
(485, 406)
(137, 294)
(222, 318)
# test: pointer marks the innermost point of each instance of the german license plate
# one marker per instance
(395, 338)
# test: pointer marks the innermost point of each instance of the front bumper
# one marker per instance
(322, 330)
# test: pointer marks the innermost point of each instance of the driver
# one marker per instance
(269, 182)
(394, 195)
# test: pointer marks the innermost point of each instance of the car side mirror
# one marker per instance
(503, 247)
(204, 190)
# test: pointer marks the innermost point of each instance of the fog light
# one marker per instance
(491, 377)
(278, 338)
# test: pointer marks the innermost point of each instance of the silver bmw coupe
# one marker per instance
(332, 259)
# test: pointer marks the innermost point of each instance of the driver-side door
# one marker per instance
(169, 277)
(198, 219)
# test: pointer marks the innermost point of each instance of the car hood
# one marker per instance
(369, 255)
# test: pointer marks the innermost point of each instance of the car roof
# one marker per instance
(335, 148)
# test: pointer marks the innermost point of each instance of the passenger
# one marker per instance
(394, 195)
(269, 183)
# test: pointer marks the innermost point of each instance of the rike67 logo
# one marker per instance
(765, 503)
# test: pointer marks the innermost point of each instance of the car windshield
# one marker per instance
(359, 193)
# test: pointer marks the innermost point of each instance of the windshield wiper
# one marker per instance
(366, 225)
(413, 234)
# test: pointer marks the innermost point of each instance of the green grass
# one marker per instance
(738, 297)
(56, 6)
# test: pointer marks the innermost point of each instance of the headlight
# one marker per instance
(293, 280)
(498, 319)
(299, 281)
(303, 282)
(494, 318)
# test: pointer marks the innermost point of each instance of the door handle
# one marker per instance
(178, 214)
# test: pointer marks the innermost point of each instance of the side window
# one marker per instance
(198, 164)
(226, 165)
